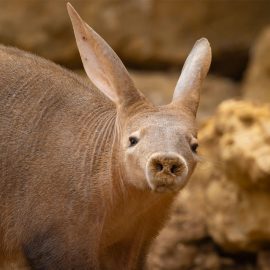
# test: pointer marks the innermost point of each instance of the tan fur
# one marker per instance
(73, 193)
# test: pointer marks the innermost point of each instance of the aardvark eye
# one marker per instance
(194, 147)
(133, 141)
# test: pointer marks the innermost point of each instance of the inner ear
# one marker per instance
(102, 65)
(187, 90)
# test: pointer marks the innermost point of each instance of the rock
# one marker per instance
(256, 85)
(237, 197)
(185, 243)
(264, 260)
(214, 91)
(145, 33)
(159, 87)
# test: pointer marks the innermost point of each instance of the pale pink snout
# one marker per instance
(166, 172)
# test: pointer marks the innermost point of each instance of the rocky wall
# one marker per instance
(145, 33)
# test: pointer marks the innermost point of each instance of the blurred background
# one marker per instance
(222, 219)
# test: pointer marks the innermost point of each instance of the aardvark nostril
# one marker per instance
(159, 166)
(175, 168)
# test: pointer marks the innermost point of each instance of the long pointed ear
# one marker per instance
(101, 63)
(187, 90)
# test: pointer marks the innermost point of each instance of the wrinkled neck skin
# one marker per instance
(129, 217)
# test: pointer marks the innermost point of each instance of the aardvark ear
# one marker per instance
(102, 65)
(187, 90)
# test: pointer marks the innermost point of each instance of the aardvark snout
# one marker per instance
(166, 172)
